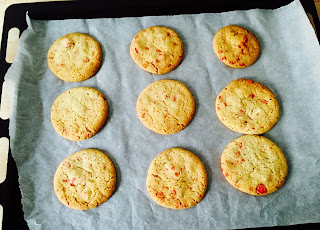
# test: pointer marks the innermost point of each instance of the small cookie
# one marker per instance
(85, 179)
(157, 49)
(176, 179)
(79, 113)
(236, 46)
(165, 106)
(254, 165)
(247, 107)
(74, 57)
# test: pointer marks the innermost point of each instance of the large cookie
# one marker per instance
(236, 47)
(85, 179)
(165, 106)
(254, 165)
(176, 179)
(157, 49)
(79, 113)
(247, 107)
(74, 57)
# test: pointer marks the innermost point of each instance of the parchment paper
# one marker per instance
(289, 65)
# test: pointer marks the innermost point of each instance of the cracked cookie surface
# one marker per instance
(176, 179)
(247, 107)
(79, 113)
(236, 47)
(85, 179)
(157, 50)
(254, 165)
(74, 57)
(165, 106)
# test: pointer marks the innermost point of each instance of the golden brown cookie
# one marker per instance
(79, 113)
(176, 179)
(247, 107)
(254, 165)
(165, 106)
(236, 47)
(157, 49)
(74, 57)
(85, 179)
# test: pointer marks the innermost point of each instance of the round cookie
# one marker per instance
(247, 107)
(236, 46)
(79, 113)
(85, 179)
(157, 49)
(176, 179)
(254, 165)
(74, 57)
(165, 106)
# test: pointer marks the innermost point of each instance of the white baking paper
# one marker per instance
(289, 65)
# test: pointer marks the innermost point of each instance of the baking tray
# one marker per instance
(15, 16)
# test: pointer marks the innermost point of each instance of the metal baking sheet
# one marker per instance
(146, 12)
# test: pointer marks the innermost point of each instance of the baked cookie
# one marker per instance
(236, 46)
(176, 179)
(74, 57)
(157, 49)
(79, 113)
(247, 107)
(165, 106)
(85, 179)
(254, 165)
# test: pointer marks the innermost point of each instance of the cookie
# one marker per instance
(85, 179)
(79, 113)
(247, 107)
(236, 47)
(176, 179)
(74, 57)
(254, 165)
(157, 49)
(165, 106)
